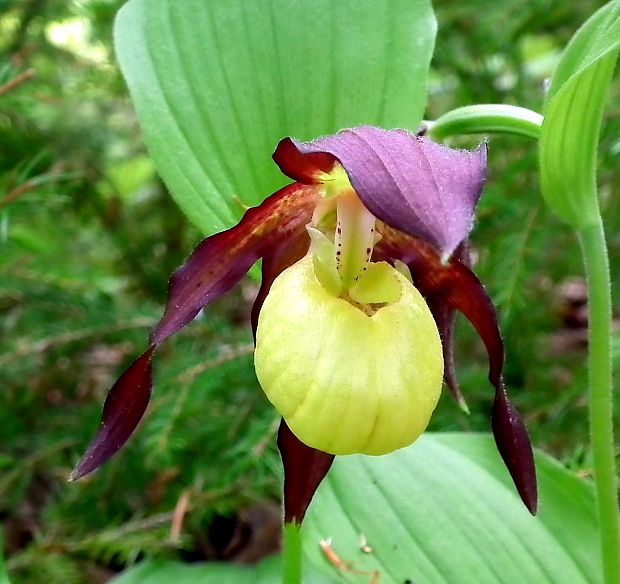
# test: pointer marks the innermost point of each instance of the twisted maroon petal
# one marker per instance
(513, 443)
(220, 261)
(122, 411)
(304, 470)
(419, 187)
(216, 265)
(466, 294)
(444, 316)
(453, 286)
(449, 284)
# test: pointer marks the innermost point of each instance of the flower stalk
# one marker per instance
(292, 556)
(487, 118)
(596, 261)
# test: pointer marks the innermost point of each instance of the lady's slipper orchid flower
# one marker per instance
(365, 262)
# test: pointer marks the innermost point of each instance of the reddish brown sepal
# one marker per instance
(221, 260)
(122, 412)
(444, 317)
(513, 443)
(304, 470)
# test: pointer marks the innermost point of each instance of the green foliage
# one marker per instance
(350, 64)
(429, 513)
(573, 117)
(444, 510)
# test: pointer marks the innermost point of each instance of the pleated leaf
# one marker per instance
(217, 84)
(573, 115)
(445, 511)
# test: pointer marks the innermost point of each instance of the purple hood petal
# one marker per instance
(419, 187)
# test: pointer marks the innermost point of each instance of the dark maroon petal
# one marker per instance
(451, 284)
(274, 264)
(216, 265)
(303, 168)
(220, 261)
(445, 317)
(122, 411)
(467, 295)
(422, 188)
(513, 443)
(304, 469)
(463, 253)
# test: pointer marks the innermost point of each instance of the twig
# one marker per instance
(267, 439)
(155, 521)
(144, 524)
(186, 378)
(178, 517)
(17, 81)
(227, 354)
(33, 183)
(18, 192)
(45, 345)
(339, 564)
(9, 479)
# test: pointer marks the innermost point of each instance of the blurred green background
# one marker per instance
(89, 236)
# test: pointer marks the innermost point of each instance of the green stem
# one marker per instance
(596, 262)
(489, 118)
(291, 565)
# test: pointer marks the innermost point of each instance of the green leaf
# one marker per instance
(445, 511)
(573, 115)
(217, 84)
(166, 572)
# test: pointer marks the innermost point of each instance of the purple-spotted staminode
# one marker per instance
(365, 262)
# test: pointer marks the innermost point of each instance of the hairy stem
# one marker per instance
(488, 118)
(596, 262)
